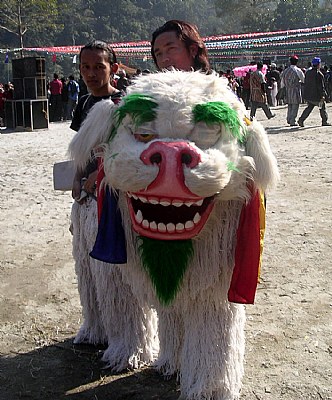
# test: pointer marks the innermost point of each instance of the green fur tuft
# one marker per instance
(139, 106)
(218, 112)
(166, 262)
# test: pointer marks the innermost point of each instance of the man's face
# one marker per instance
(95, 69)
(170, 51)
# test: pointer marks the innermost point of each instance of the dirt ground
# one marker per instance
(289, 329)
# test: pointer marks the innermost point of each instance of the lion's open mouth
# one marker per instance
(168, 219)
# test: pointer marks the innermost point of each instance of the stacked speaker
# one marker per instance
(29, 78)
(29, 109)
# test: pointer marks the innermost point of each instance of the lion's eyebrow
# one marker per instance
(217, 112)
(140, 107)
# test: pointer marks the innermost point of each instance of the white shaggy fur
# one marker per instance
(201, 333)
(104, 296)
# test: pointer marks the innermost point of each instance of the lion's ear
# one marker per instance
(95, 130)
(266, 172)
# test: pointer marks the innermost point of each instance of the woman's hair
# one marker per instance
(188, 33)
(100, 45)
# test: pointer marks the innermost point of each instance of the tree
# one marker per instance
(293, 14)
(245, 16)
(21, 16)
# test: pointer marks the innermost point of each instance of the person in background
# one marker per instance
(233, 84)
(178, 44)
(9, 91)
(246, 89)
(83, 88)
(328, 81)
(272, 73)
(314, 93)
(292, 79)
(258, 93)
(122, 83)
(273, 87)
(55, 99)
(73, 90)
(64, 99)
(2, 106)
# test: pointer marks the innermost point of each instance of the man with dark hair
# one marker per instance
(55, 99)
(292, 79)
(314, 93)
(258, 93)
(178, 44)
(73, 92)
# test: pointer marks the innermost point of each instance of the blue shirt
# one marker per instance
(73, 90)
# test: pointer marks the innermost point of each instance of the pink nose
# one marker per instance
(173, 154)
(171, 158)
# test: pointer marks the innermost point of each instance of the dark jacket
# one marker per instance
(314, 88)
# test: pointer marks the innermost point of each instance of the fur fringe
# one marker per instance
(88, 137)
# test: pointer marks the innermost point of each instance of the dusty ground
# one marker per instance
(289, 329)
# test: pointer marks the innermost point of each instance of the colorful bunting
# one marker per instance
(317, 40)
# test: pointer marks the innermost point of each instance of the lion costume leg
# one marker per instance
(213, 350)
(170, 337)
(130, 329)
(84, 224)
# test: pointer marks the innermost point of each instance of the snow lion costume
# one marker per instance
(189, 170)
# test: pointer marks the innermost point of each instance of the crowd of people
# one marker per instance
(282, 85)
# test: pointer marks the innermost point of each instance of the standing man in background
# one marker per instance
(292, 79)
(258, 93)
(73, 92)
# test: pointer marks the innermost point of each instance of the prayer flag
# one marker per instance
(54, 58)
(6, 59)
(74, 59)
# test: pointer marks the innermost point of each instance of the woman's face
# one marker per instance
(170, 51)
(95, 69)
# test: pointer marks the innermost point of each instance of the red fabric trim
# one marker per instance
(247, 254)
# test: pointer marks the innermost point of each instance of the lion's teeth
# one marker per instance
(199, 202)
(179, 227)
(134, 196)
(161, 227)
(189, 225)
(197, 218)
(165, 203)
(143, 199)
(177, 203)
(170, 228)
(153, 201)
(145, 223)
(153, 226)
(139, 216)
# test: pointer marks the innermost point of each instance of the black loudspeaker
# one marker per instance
(28, 67)
(30, 88)
(18, 88)
(10, 114)
(27, 114)
(35, 114)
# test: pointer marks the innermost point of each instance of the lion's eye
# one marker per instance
(145, 137)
